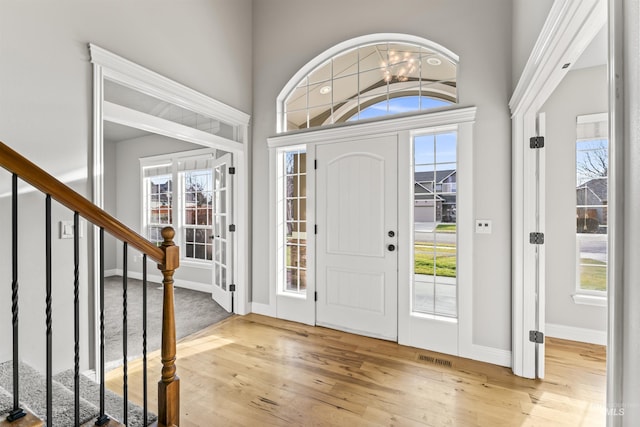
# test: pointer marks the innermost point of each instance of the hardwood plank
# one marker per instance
(256, 370)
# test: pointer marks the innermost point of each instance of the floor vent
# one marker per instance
(431, 359)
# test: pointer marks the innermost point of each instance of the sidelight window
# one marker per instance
(292, 213)
(435, 224)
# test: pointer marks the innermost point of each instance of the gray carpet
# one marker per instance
(33, 396)
(6, 401)
(113, 404)
(193, 310)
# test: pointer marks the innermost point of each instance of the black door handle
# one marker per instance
(391, 248)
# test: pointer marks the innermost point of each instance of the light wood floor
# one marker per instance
(256, 371)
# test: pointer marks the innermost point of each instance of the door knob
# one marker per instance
(391, 248)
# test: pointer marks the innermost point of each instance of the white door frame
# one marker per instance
(461, 117)
(109, 66)
(568, 30)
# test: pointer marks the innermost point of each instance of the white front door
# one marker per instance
(222, 241)
(357, 263)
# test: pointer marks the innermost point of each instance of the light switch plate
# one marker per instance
(483, 226)
(66, 229)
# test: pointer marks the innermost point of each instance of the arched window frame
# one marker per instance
(347, 45)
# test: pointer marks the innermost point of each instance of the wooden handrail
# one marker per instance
(167, 256)
(37, 177)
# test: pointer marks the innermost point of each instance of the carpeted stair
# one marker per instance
(33, 397)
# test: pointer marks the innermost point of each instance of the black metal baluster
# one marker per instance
(76, 316)
(49, 372)
(125, 386)
(102, 418)
(144, 339)
(17, 411)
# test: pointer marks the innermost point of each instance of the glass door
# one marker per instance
(222, 225)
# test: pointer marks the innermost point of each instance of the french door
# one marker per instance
(356, 242)
(221, 290)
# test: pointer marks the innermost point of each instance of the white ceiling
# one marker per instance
(596, 53)
(114, 132)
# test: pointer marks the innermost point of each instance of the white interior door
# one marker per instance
(222, 236)
(357, 263)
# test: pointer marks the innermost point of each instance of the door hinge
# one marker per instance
(315, 296)
(536, 142)
(536, 337)
(315, 164)
(232, 170)
(315, 229)
(232, 288)
(536, 238)
(232, 227)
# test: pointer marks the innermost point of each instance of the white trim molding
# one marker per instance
(592, 336)
(348, 45)
(568, 30)
(423, 120)
(588, 299)
(491, 355)
(123, 71)
(157, 279)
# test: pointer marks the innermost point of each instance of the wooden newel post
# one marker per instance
(169, 384)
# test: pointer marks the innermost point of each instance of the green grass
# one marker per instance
(593, 277)
(445, 259)
(446, 228)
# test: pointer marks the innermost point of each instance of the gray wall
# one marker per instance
(129, 198)
(46, 97)
(31, 279)
(290, 33)
(110, 201)
(581, 92)
(528, 19)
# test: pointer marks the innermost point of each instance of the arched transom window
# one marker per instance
(369, 77)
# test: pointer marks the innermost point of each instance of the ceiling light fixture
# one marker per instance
(434, 61)
(325, 90)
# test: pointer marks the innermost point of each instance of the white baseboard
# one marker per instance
(112, 272)
(264, 309)
(156, 278)
(573, 333)
(481, 353)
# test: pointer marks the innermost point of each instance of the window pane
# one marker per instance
(158, 205)
(592, 160)
(291, 280)
(190, 215)
(199, 252)
(302, 187)
(303, 280)
(289, 186)
(435, 227)
(355, 85)
(292, 210)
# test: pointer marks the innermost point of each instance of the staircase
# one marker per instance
(29, 398)
(32, 386)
